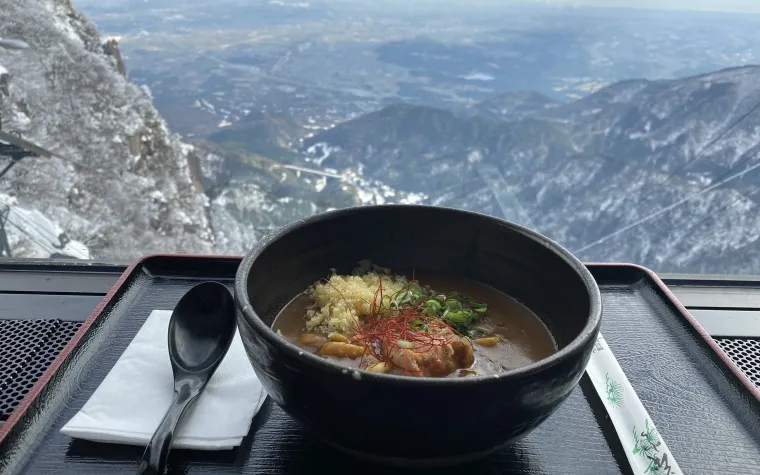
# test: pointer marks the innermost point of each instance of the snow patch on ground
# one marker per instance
(34, 235)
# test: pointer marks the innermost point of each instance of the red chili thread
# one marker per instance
(380, 334)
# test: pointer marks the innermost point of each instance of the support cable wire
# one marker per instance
(725, 207)
(664, 210)
(722, 180)
(709, 144)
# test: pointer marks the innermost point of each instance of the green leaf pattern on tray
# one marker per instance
(647, 444)
(614, 392)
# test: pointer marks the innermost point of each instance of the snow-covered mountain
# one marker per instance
(253, 194)
(121, 183)
(662, 173)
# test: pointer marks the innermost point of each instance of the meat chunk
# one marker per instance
(451, 353)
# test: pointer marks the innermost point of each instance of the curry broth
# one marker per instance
(525, 339)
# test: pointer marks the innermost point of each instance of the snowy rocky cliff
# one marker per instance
(120, 182)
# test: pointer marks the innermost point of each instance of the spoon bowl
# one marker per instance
(201, 330)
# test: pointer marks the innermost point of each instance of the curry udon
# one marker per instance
(418, 324)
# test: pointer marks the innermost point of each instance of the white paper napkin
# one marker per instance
(131, 401)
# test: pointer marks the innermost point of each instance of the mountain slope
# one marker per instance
(253, 194)
(121, 182)
(584, 170)
(513, 105)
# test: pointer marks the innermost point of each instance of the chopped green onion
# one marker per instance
(459, 317)
(457, 310)
(429, 311)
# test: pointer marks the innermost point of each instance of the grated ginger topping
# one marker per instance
(340, 303)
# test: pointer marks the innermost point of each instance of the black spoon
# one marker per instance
(200, 333)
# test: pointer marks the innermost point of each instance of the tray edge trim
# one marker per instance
(737, 372)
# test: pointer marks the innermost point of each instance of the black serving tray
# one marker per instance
(707, 411)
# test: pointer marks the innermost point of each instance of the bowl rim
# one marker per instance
(252, 319)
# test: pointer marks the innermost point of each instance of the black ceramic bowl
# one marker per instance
(405, 420)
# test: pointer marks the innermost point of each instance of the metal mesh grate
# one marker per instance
(27, 347)
(62, 335)
(19, 340)
(745, 353)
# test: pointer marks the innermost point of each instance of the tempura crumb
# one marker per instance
(340, 303)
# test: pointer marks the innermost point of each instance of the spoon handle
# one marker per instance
(154, 459)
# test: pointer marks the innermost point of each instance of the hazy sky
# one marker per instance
(717, 5)
(720, 5)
